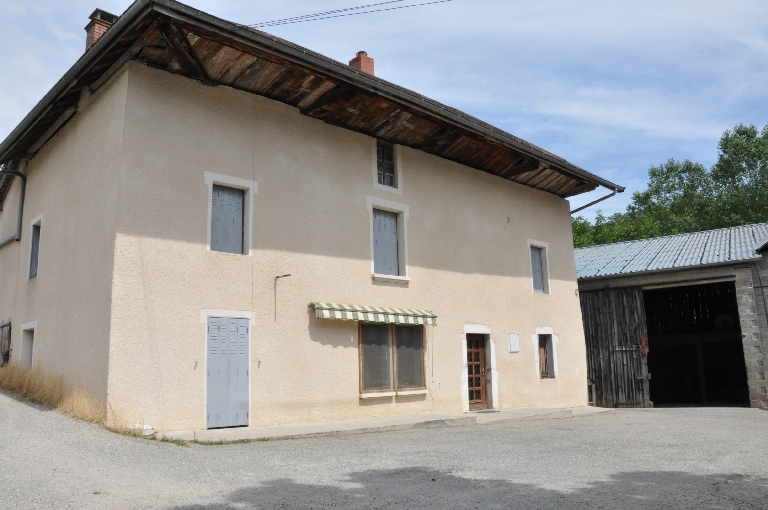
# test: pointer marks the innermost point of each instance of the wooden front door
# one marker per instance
(476, 372)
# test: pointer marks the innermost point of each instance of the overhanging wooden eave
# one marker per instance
(179, 39)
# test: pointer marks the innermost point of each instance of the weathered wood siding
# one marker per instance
(616, 336)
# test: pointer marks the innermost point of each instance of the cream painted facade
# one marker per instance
(126, 277)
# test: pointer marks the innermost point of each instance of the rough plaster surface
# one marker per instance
(72, 183)
(687, 458)
(467, 254)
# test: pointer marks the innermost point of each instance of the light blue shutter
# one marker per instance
(537, 269)
(227, 220)
(385, 243)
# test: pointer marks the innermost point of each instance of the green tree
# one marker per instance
(741, 176)
(684, 196)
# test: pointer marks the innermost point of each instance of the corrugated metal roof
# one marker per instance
(683, 250)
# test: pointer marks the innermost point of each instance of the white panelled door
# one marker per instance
(228, 369)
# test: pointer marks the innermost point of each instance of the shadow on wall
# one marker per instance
(424, 488)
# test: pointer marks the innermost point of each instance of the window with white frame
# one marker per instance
(539, 269)
(387, 167)
(34, 248)
(385, 164)
(389, 254)
(230, 202)
(391, 357)
(546, 357)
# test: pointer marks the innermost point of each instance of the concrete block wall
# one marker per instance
(760, 291)
(754, 337)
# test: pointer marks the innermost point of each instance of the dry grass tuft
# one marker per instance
(49, 390)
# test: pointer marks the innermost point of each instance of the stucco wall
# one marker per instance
(72, 186)
(467, 250)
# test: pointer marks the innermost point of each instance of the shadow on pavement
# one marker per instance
(424, 488)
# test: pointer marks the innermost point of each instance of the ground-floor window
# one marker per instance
(391, 357)
(546, 357)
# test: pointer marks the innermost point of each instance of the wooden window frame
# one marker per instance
(394, 390)
(397, 157)
(547, 362)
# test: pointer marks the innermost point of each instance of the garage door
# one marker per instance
(228, 370)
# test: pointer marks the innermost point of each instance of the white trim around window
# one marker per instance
(398, 170)
(535, 340)
(25, 329)
(250, 188)
(533, 243)
(402, 212)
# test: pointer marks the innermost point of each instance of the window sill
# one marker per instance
(391, 278)
(378, 394)
(402, 393)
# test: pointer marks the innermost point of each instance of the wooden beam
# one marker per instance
(144, 39)
(338, 94)
(183, 52)
(63, 118)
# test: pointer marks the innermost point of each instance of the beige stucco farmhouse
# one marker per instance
(209, 219)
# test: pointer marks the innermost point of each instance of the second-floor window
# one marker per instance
(227, 219)
(34, 254)
(385, 161)
(385, 259)
(539, 269)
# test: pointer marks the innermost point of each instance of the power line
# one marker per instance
(326, 13)
(341, 13)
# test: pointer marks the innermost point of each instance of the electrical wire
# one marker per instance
(326, 13)
(340, 13)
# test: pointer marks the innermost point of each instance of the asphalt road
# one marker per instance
(661, 458)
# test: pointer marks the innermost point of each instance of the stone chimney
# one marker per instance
(100, 23)
(363, 62)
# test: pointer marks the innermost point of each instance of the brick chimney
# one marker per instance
(100, 23)
(363, 62)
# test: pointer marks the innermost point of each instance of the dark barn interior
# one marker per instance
(695, 353)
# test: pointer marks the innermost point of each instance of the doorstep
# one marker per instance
(327, 428)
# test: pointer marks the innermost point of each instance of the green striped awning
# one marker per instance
(346, 312)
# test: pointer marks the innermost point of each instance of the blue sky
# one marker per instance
(613, 86)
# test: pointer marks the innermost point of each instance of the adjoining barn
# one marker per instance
(677, 320)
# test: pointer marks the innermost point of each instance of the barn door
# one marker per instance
(227, 373)
(616, 336)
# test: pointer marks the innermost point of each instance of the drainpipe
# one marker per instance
(17, 235)
(616, 190)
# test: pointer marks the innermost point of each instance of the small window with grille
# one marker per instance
(385, 164)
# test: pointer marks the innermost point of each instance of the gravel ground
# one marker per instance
(656, 458)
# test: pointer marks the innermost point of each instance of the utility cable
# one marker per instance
(340, 13)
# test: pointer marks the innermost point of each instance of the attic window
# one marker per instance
(385, 163)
